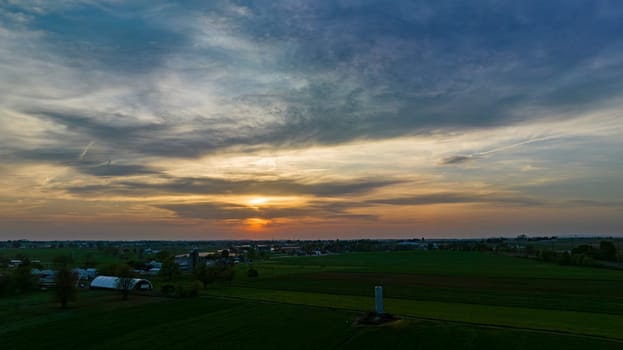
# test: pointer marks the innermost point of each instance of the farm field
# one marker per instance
(456, 277)
(446, 300)
(217, 323)
(455, 286)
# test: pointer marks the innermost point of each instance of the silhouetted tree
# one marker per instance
(4, 261)
(205, 275)
(163, 256)
(170, 269)
(251, 253)
(65, 289)
(607, 251)
(22, 280)
(24, 258)
(124, 273)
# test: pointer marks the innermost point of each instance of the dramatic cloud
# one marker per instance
(223, 186)
(225, 211)
(186, 107)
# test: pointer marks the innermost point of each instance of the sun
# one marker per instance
(256, 224)
(258, 201)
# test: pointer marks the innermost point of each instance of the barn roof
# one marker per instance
(112, 282)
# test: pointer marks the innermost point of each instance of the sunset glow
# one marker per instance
(309, 119)
(258, 201)
(256, 224)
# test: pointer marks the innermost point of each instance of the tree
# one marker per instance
(4, 261)
(4, 284)
(125, 280)
(251, 254)
(227, 274)
(169, 269)
(22, 280)
(205, 275)
(65, 289)
(24, 258)
(163, 256)
(607, 251)
(225, 254)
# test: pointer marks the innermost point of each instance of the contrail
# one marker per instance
(86, 149)
(457, 159)
(503, 148)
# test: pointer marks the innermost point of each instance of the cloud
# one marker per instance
(86, 149)
(594, 203)
(459, 198)
(456, 160)
(325, 211)
(307, 73)
(210, 186)
(107, 170)
(317, 99)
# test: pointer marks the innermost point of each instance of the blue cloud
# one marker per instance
(329, 72)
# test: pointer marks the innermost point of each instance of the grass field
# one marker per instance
(447, 300)
(472, 278)
(214, 323)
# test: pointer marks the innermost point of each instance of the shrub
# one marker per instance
(188, 290)
(22, 281)
(168, 290)
(252, 273)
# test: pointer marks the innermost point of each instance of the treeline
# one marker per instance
(20, 280)
(187, 286)
(583, 255)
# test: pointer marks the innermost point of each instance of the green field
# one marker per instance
(455, 277)
(446, 300)
(214, 323)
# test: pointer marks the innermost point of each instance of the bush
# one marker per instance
(607, 251)
(168, 290)
(252, 273)
(22, 281)
(4, 284)
(205, 275)
(227, 274)
(188, 290)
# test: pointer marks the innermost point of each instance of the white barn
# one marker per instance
(112, 282)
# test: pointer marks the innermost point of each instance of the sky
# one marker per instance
(310, 119)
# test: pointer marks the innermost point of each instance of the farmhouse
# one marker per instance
(112, 283)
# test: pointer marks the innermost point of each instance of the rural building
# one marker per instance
(112, 283)
(91, 273)
(47, 278)
(15, 263)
